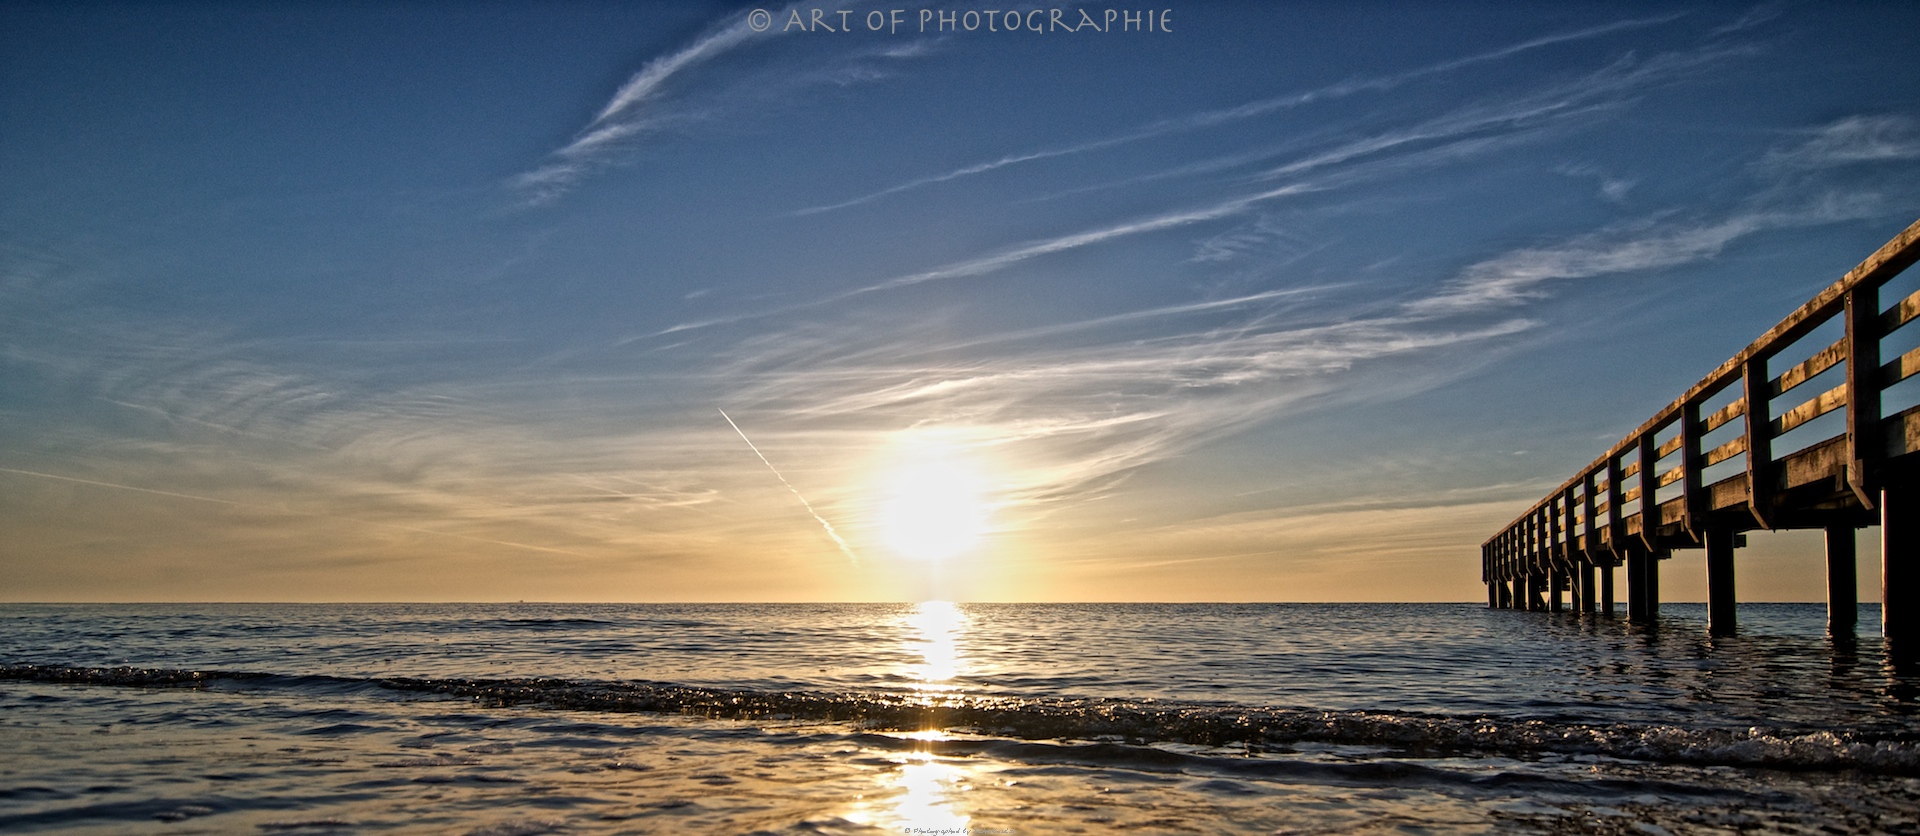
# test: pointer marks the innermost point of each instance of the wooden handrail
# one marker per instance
(1885, 263)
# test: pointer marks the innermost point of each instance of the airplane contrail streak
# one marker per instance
(844, 548)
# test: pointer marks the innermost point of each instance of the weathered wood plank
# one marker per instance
(1727, 413)
(1821, 361)
(1672, 445)
(1678, 472)
(1902, 432)
(1821, 464)
(1900, 314)
(1828, 401)
(1902, 367)
(1725, 451)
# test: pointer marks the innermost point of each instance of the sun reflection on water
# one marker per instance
(922, 792)
(938, 626)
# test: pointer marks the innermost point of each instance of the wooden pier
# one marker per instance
(1722, 460)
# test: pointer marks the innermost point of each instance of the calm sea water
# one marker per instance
(1017, 719)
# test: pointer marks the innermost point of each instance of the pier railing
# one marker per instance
(1729, 456)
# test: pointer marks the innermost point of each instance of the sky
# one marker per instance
(599, 301)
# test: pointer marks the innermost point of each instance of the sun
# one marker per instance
(933, 500)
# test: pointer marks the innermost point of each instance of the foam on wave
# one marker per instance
(1256, 729)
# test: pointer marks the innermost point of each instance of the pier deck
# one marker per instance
(1721, 460)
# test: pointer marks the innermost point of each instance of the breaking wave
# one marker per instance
(1101, 721)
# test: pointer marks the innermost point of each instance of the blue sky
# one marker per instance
(342, 301)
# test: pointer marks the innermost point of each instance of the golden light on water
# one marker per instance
(934, 498)
(924, 791)
(938, 626)
(927, 801)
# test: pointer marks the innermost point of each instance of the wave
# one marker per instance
(547, 623)
(1120, 722)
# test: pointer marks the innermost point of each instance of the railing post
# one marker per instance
(1569, 525)
(1555, 548)
(1616, 517)
(1692, 496)
(1865, 447)
(1757, 385)
(1649, 487)
(1542, 547)
(1590, 538)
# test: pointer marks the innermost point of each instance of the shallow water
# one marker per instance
(1009, 718)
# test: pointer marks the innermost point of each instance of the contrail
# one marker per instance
(844, 548)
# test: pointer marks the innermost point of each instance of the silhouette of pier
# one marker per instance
(1746, 449)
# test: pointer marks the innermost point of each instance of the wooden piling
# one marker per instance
(1900, 567)
(1843, 599)
(1587, 603)
(1720, 594)
(1606, 590)
(1636, 585)
(1652, 584)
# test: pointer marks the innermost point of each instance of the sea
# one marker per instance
(948, 718)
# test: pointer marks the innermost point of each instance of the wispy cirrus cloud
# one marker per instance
(1249, 110)
(1854, 139)
(1523, 275)
(1081, 417)
(623, 117)
(1660, 241)
(665, 94)
(1468, 130)
(1014, 255)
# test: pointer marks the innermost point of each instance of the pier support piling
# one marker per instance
(1843, 598)
(1606, 589)
(1556, 583)
(1636, 585)
(1900, 566)
(1586, 588)
(1652, 584)
(1720, 594)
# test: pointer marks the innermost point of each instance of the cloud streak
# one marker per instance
(664, 95)
(617, 120)
(835, 535)
(1249, 110)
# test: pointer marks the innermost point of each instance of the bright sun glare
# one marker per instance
(934, 503)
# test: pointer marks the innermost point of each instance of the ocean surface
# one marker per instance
(947, 718)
